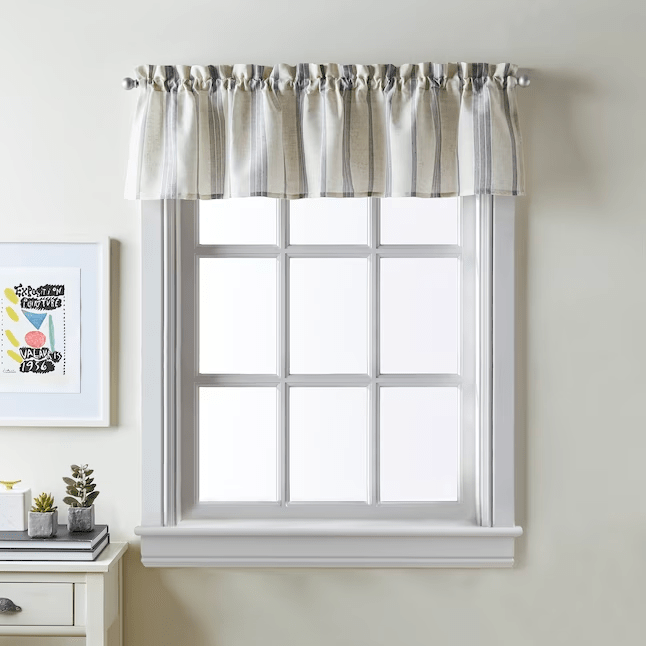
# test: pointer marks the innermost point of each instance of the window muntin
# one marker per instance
(455, 264)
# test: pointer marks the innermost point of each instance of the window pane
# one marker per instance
(329, 221)
(329, 315)
(418, 436)
(249, 220)
(238, 449)
(328, 444)
(419, 315)
(406, 220)
(237, 315)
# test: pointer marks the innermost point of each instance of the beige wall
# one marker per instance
(64, 123)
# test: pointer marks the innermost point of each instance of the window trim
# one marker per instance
(169, 541)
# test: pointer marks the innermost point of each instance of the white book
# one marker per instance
(54, 555)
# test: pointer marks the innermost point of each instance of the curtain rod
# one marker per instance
(522, 78)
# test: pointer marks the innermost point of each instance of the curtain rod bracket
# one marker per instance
(128, 83)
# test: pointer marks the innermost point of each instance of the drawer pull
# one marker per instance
(7, 605)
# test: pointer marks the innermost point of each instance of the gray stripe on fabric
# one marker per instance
(486, 96)
(512, 136)
(220, 137)
(479, 143)
(213, 145)
(436, 86)
(389, 89)
(347, 87)
(253, 136)
(457, 148)
(216, 117)
(413, 131)
(476, 137)
(371, 137)
(323, 91)
(263, 133)
(299, 87)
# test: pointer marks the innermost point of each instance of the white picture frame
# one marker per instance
(91, 406)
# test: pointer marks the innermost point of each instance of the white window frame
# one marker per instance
(172, 537)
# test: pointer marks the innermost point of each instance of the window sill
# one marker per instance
(326, 544)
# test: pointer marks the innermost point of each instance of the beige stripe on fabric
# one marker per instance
(334, 139)
(426, 141)
(359, 136)
(431, 130)
(152, 146)
(466, 142)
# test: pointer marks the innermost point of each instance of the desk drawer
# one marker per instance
(42, 604)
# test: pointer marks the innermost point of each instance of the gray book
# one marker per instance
(64, 540)
(55, 555)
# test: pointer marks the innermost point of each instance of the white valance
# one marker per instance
(419, 130)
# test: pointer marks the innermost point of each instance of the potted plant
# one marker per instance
(43, 517)
(81, 496)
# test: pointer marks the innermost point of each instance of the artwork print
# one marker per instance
(40, 330)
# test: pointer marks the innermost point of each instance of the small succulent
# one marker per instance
(44, 503)
(80, 487)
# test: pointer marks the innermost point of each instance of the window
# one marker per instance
(329, 381)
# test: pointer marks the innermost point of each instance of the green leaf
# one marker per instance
(75, 467)
(91, 498)
(73, 491)
(44, 503)
(89, 472)
(70, 501)
(89, 488)
(89, 480)
(69, 481)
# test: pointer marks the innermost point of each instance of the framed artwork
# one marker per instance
(55, 333)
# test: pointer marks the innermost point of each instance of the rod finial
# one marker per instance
(523, 79)
(128, 83)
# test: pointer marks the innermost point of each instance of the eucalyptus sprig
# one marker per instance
(44, 503)
(80, 487)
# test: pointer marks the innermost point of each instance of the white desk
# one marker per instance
(66, 598)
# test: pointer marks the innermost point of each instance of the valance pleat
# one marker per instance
(419, 130)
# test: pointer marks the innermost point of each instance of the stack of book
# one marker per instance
(65, 546)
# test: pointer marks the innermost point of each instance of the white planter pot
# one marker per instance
(43, 525)
(80, 519)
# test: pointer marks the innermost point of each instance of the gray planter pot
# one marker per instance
(42, 525)
(80, 519)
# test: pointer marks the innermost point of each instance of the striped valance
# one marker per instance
(421, 130)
